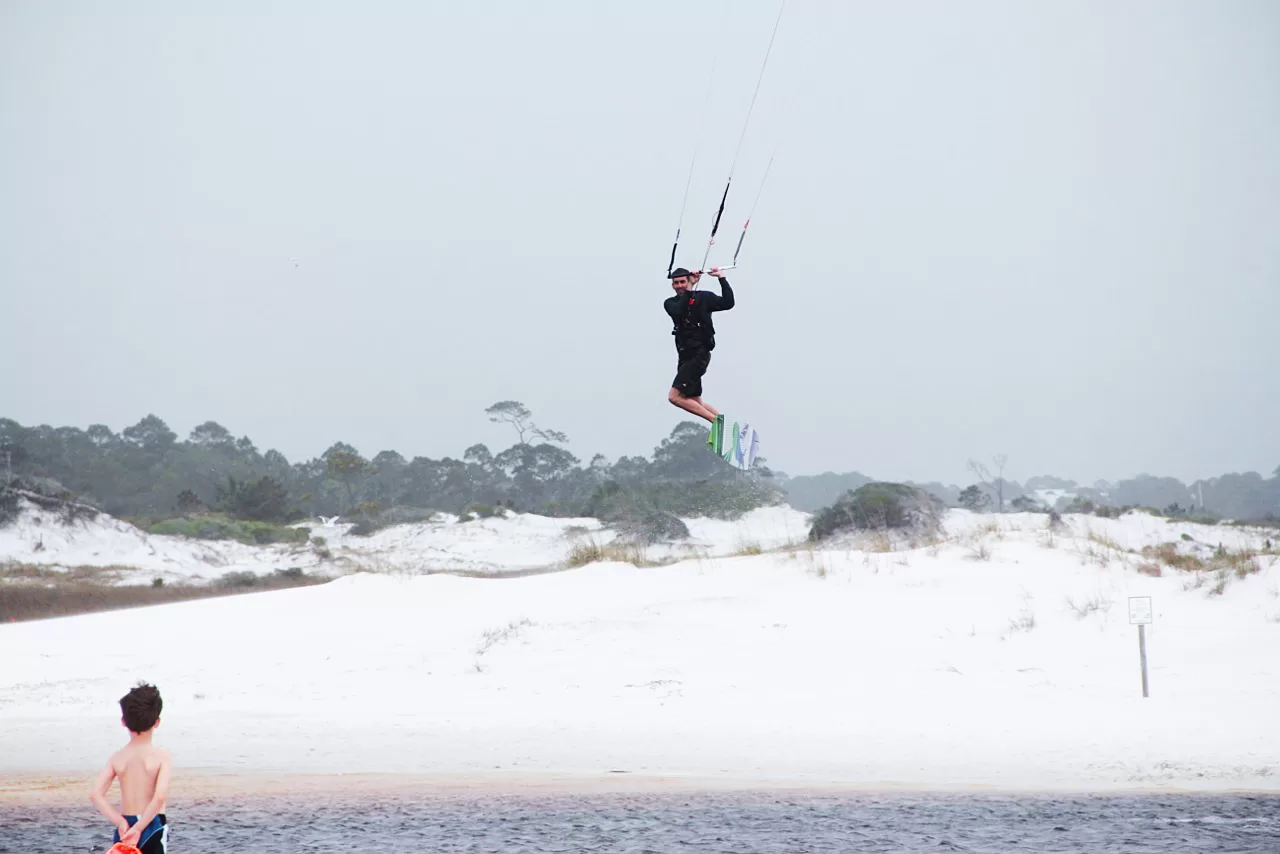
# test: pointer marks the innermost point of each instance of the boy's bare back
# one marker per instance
(138, 767)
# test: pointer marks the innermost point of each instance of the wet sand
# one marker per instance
(545, 813)
(59, 789)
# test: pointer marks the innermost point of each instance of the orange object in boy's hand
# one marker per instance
(121, 848)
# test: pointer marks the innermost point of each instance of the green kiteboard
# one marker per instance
(734, 441)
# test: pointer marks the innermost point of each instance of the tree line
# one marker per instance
(147, 470)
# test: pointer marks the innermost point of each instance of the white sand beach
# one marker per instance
(1001, 656)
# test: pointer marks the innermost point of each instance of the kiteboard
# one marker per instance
(734, 441)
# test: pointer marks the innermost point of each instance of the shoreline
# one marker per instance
(34, 789)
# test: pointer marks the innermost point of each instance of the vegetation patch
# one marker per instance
(1169, 555)
(635, 515)
(37, 593)
(218, 526)
(1088, 606)
(10, 506)
(880, 507)
(1221, 565)
(38, 493)
(587, 551)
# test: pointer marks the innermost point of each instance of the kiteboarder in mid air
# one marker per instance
(690, 311)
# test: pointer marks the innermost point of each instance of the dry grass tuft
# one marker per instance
(979, 551)
(1168, 554)
(1091, 605)
(1024, 622)
(1243, 563)
(1221, 577)
(878, 542)
(492, 637)
(590, 551)
(1105, 541)
(814, 561)
(1221, 566)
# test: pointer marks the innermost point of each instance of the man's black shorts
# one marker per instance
(689, 370)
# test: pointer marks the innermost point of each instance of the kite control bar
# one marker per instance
(721, 269)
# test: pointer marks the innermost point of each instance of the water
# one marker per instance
(662, 823)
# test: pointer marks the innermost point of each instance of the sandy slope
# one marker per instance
(506, 544)
(931, 666)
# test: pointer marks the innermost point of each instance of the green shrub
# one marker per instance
(375, 520)
(263, 500)
(1027, 504)
(879, 507)
(280, 577)
(1079, 505)
(655, 526)
(8, 506)
(636, 514)
(973, 498)
(188, 502)
(406, 515)
(221, 527)
(729, 498)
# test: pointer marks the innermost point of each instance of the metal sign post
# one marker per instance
(1140, 615)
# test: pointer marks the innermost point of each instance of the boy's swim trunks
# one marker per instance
(155, 836)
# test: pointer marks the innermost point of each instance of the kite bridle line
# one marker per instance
(715, 225)
(751, 213)
(697, 145)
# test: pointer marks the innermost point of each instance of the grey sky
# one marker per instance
(1045, 229)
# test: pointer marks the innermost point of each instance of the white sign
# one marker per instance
(1139, 610)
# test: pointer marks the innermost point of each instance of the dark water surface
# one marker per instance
(666, 822)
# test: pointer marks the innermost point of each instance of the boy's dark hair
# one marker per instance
(141, 707)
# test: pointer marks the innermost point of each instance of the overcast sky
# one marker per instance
(1046, 229)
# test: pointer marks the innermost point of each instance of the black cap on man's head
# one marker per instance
(678, 272)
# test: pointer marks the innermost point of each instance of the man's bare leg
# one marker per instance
(692, 404)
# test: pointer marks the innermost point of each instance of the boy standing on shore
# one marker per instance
(144, 771)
